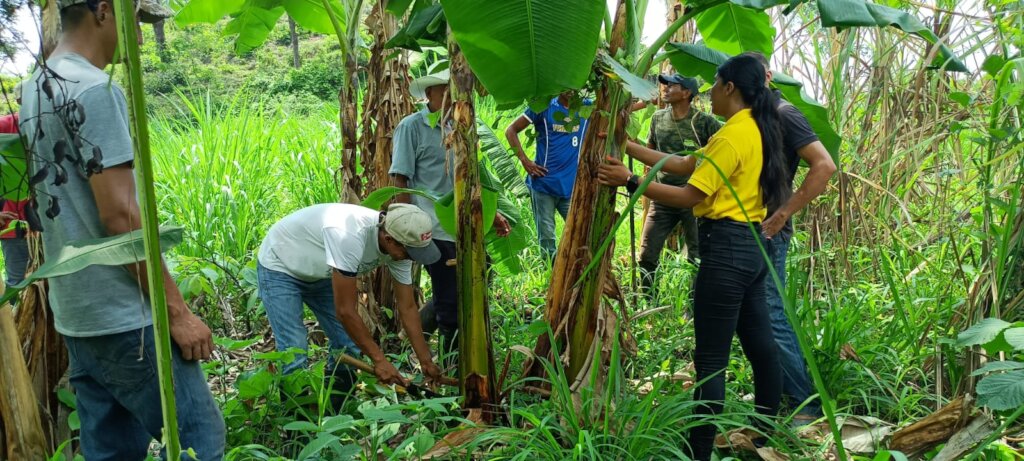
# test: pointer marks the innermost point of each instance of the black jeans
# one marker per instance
(730, 298)
(444, 302)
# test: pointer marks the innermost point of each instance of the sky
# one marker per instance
(26, 26)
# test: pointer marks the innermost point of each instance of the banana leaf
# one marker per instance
(108, 251)
(13, 180)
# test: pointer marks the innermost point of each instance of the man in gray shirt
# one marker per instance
(419, 160)
(76, 121)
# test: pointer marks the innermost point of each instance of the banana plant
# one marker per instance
(385, 102)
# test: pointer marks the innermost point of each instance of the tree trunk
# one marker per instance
(160, 36)
(476, 359)
(296, 63)
(572, 301)
(386, 102)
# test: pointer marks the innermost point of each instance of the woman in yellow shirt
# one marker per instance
(741, 169)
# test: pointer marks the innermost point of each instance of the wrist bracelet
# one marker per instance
(632, 184)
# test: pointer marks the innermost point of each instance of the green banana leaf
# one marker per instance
(252, 20)
(208, 11)
(843, 14)
(251, 25)
(635, 85)
(527, 49)
(698, 60)
(424, 27)
(13, 180)
(108, 251)
(501, 160)
(733, 29)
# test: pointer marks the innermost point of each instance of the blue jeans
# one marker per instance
(15, 259)
(283, 297)
(544, 208)
(729, 301)
(796, 382)
(118, 398)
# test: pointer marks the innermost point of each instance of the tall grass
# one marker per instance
(227, 173)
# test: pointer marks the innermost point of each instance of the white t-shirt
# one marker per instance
(308, 243)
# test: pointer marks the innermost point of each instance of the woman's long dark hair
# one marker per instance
(747, 75)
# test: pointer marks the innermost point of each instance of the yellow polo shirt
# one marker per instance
(736, 151)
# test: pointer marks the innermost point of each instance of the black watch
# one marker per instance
(632, 184)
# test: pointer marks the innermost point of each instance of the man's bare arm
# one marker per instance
(114, 191)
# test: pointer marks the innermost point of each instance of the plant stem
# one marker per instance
(124, 12)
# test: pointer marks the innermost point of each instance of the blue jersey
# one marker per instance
(559, 140)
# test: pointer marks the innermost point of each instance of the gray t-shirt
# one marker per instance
(419, 155)
(308, 243)
(98, 300)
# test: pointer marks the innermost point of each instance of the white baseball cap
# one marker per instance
(413, 228)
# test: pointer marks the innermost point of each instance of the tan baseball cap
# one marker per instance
(413, 228)
(149, 11)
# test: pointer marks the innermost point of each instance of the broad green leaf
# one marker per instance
(693, 60)
(633, 84)
(379, 197)
(252, 23)
(323, 440)
(993, 64)
(501, 160)
(208, 11)
(425, 26)
(733, 29)
(110, 251)
(699, 60)
(398, 7)
(1015, 337)
(1003, 391)
(1003, 365)
(310, 14)
(13, 181)
(859, 13)
(982, 333)
(524, 49)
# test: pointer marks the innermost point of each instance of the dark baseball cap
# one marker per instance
(689, 83)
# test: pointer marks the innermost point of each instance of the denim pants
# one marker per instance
(730, 299)
(118, 398)
(283, 297)
(796, 382)
(15, 259)
(544, 208)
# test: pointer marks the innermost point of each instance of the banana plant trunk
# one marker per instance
(386, 101)
(572, 301)
(476, 358)
(348, 99)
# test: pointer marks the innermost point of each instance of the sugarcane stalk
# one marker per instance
(124, 12)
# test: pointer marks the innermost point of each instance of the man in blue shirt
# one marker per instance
(551, 175)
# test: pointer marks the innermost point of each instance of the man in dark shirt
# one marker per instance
(799, 142)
